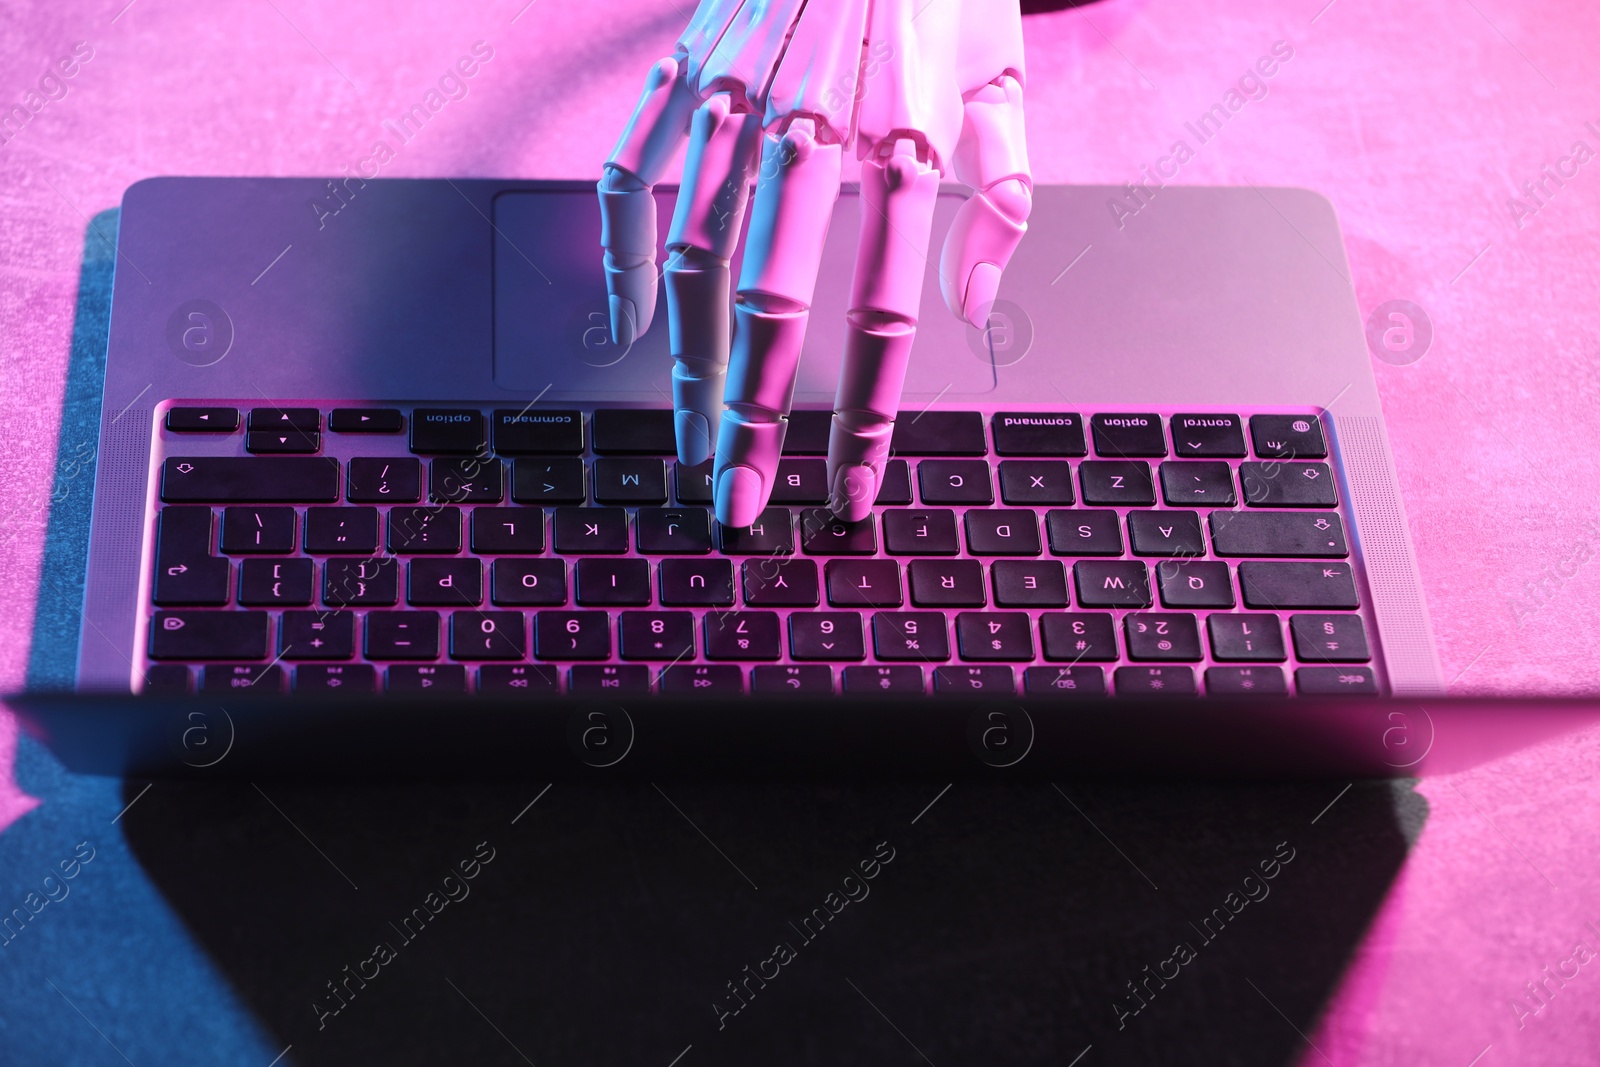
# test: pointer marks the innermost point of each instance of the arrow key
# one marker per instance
(281, 441)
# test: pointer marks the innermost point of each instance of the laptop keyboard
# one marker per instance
(410, 549)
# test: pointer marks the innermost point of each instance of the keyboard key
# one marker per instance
(870, 583)
(1288, 485)
(1041, 433)
(449, 431)
(488, 635)
(1084, 533)
(1329, 681)
(695, 582)
(1246, 637)
(946, 583)
(186, 571)
(366, 420)
(262, 678)
(1119, 482)
(547, 481)
(515, 679)
(1162, 635)
(276, 582)
(1064, 681)
(1242, 681)
(341, 530)
(895, 492)
(335, 678)
(276, 420)
(166, 679)
(920, 533)
(572, 634)
(370, 581)
(1194, 584)
(401, 635)
(1165, 533)
(807, 434)
(427, 529)
(886, 680)
(581, 530)
(634, 432)
(1277, 533)
(772, 534)
(208, 635)
(1002, 532)
(1170, 681)
(453, 583)
(202, 420)
(1329, 638)
(1128, 435)
(1035, 482)
(809, 679)
(281, 442)
(1112, 583)
(955, 481)
(900, 635)
(384, 481)
(668, 531)
(833, 635)
(662, 635)
(1187, 485)
(528, 432)
(743, 635)
(1078, 636)
(472, 480)
(1274, 585)
(780, 583)
(960, 681)
(630, 481)
(612, 582)
(991, 635)
(712, 679)
(821, 534)
(939, 433)
(597, 680)
(801, 481)
(1207, 435)
(249, 480)
(504, 531)
(317, 635)
(528, 582)
(1287, 437)
(426, 678)
(1028, 583)
(692, 485)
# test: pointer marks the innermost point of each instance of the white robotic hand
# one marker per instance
(773, 92)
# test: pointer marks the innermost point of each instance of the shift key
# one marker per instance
(249, 480)
(208, 635)
(1278, 533)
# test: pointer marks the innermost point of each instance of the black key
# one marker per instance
(276, 420)
(939, 433)
(630, 481)
(772, 534)
(528, 581)
(695, 582)
(1287, 436)
(1277, 533)
(1194, 584)
(743, 635)
(470, 480)
(634, 432)
(1188, 485)
(992, 635)
(1247, 638)
(1112, 583)
(887, 680)
(1084, 533)
(208, 635)
(1165, 533)
(666, 531)
(666, 635)
(869, 583)
(1244, 681)
(895, 492)
(402, 635)
(581, 530)
(371, 581)
(317, 635)
(1136, 434)
(826, 635)
(1169, 635)
(955, 481)
(186, 571)
(713, 679)
(1207, 435)
(810, 679)
(507, 531)
(281, 442)
(279, 582)
(572, 634)
(449, 431)
(910, 635)
(452, 583)
(515, 679)
(527, 432)
(547, 481)
(1120, 482)
(780, 583)
(366, 420)
(341, 530)
(960, 681)
(807, 434)
(426, 678)
(202, 420)
(615, 581)
(1028, 583)
(1270, 584)
(242, 677)
(166, 679)
(384, 481)
(488, 635)
(693, 484)
(249, 480)
(920, 533)
(821, 534)
(1288, 485)
(1038, 433)
(1078, 636)
(1329, 638)
(946, 583)
(1064, 681)
(1035, 481)
(1327, 681)
(596, 680)
(1002, 532)
(801, 481)
(430, 529)
(1132, 681)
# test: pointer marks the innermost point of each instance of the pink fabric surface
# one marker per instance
(1421, 121)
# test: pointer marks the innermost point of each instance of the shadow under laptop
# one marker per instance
(837, 924)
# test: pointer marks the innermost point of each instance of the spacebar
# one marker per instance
(249, 479)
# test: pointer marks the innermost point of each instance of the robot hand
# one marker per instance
(773, 92)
